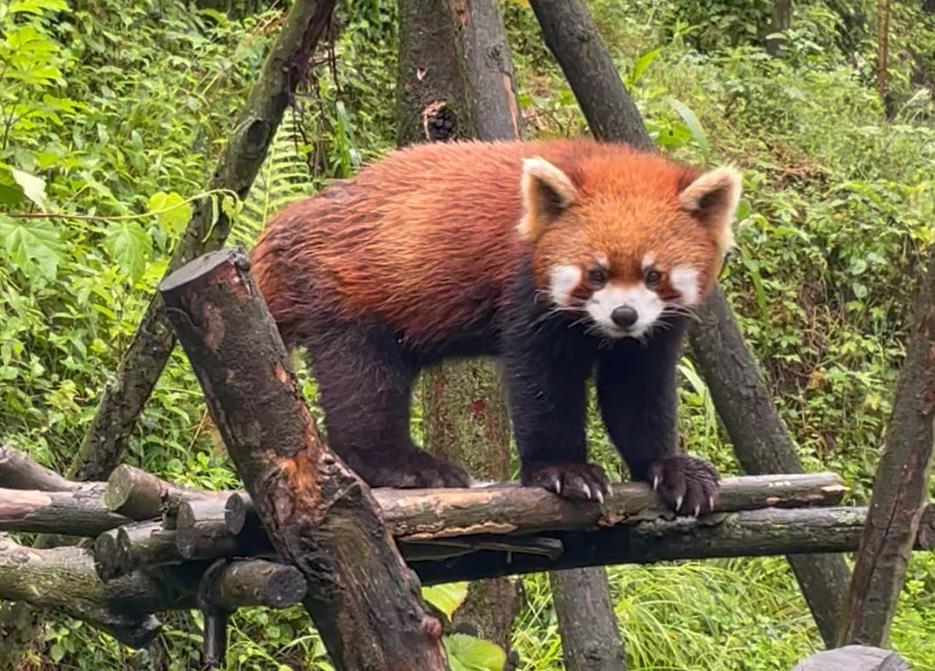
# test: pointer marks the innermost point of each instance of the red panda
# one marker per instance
(564, 258)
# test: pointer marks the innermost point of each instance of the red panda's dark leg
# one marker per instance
(364, 384)
(547, 376)
(637, 393)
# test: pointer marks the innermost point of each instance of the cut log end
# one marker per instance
(203, 266)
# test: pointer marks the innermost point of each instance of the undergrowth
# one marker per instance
(120, 110)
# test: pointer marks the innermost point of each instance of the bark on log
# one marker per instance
(464, 411)
(65, 578)
(760, 439)
(748, 533)
(580, 600)
(320, 516)
(508, 508)
(901, 484)
(203, 527)
(79, 512)
(20, 471)
(109, 561)
(126, 394)
(278, 586)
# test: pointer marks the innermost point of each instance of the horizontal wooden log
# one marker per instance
(65, 578)
(142, 496)
(78, 512)
(770, 531)
(256, 581)
(506, 508)
(20, 471)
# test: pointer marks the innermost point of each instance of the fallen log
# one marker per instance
(77, 512)
(19, 471)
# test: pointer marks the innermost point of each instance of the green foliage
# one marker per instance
(465, 653)
(112, 115)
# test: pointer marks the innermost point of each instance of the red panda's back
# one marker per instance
(423, 239)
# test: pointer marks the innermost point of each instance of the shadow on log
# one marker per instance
(319, 515)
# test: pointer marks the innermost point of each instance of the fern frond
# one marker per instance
(284, 177)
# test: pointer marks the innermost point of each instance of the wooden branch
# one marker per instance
(320, 516)
(285, 68)
(79, 512)
(278, 586)
(748, 533)
(901, 484)
(20, 471)
(572, 37)
(65, 578)
(509, 508)
(760, 438)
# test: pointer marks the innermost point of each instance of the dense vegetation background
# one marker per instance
(114, 112)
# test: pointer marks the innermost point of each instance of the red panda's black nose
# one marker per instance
(624, 316)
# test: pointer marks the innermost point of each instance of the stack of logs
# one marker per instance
(158, 546)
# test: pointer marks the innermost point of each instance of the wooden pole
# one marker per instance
(464, 415)
(901, 485)
(761, 441)
(319, 515)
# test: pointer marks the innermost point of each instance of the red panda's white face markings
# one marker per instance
(627, 244)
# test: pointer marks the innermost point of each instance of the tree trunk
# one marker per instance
(901, 484)
(760, 439)
(319, 515)
(463, 404)
(581, 598)
(782, 21)
(883, 54)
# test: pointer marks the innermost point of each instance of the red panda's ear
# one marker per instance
(547, 191)
(713, 198)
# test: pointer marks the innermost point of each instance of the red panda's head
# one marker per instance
(626, 239)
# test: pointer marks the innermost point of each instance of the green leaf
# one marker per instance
(56, 652)
(467, 653)
(130, 246)
(37, 7)
(11, 193)
(691, 121)
(33, 246)
(642, 63)
(33, 187)
(172, 211)
(446, 597)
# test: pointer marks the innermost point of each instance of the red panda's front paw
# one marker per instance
(571, 480)
(687, 484)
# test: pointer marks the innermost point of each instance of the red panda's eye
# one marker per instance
(597, 277)
(652, 277)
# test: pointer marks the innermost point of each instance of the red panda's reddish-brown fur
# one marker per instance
(452, 210)
(566, 258)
